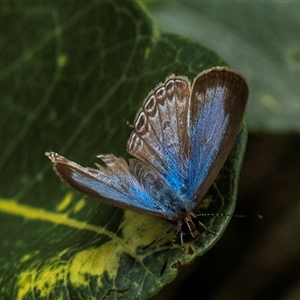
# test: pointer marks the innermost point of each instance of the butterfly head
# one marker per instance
(188, 225)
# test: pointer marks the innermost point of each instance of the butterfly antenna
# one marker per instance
(257, 217)
(228, 215)
(129, 125)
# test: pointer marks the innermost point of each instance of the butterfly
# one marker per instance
(181, 137)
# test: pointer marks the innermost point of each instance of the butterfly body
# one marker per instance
(182, 136)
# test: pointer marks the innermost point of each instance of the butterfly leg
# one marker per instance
(182, 245)
(158, 238)
(178, 229)
(206, 229)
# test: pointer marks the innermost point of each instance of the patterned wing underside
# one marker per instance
(160, 137)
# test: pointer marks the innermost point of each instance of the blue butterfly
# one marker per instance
(181, 138)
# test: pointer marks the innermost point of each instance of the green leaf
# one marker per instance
(244, 34)
(72, 75)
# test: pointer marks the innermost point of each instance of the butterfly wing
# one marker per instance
(160, 136)
(218, 102)
(116, 184)
(181, 138)
(186, 133)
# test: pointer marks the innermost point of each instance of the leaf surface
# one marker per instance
(72, 75)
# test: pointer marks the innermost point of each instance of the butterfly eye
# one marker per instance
(190, 227)
(184, 228)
